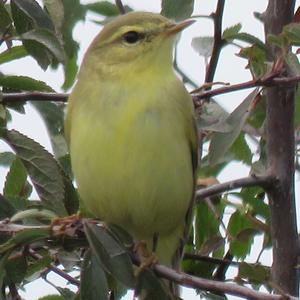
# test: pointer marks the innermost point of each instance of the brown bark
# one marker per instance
(280, 153)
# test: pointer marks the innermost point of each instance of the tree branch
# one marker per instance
(120, 6)
(218, 42)
(265, 182)
(280, 155)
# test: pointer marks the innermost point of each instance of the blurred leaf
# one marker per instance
(47, 39)
(23, 83)
(277, 40)
(33, 10)
(293, 63)
(212, 117)
(90, 288)
(257, 60)
(254, 273)
(15, 179)
(52, 297)
(292, 32)
(297, 108)
(110, 254)
(15, 269)
(23, 238)
(104, 8)
(74, 11)
(6, 208)
(42, 169)
(230, 32)
(5, 20)
(66, 293)
(55, 8)
(6, 158)
(221, 142)
(34, 213)
(238, 224)
(203, 45)
(177, 10)
(241, 150)
(12, 54)
(150, 287)
(248, 38)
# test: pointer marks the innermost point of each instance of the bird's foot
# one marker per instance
(147, 258)
(66, 225)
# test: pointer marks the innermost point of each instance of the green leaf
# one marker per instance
(15, 269)
(248, 38)
(36, 267)
(254, 273)
(6, 208)
(203, 45)
(221, 142)
(42, 169)
(292, 32)
(293, 63)
(232, 31)
(15, 179)
(71, 69)
(151, 287)
(23, 238)
(110, 254)
(5, 20)
(104, 8)
(6, 159)
(241, 150)
(177, 10)
(34, 213)
(47, 39)
(55, 8)
(90, 288)
(23, 83)
(32, 9)
(240, 229)
(12, 54)
(52, 297)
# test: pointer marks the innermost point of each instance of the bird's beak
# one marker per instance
(177, 27)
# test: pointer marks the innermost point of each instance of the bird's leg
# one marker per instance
(148, 259)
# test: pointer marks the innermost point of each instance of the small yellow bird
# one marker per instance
(132, 136)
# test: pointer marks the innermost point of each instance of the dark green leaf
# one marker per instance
(237, 224)
(66, 293)
(47, 39)
(90, 288)
(221, 142)
(5, 20)
(104, 8)
(24, 237)
(151, 287)
(36, 267)
(52, 297)
(15, 179)
(6, 159)
(254, 273)
(32, 9)
(241, 150)
(71, 69)
(230, 32)
(203, 45)
(110, 254)
(15, 269)
(23, 83)
(55, 8)
(177, 9)
(42, 169)
(6, 208)
(297, 108)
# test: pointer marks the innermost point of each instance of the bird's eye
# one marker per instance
(132, 37)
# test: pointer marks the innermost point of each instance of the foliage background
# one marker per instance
(230, 70)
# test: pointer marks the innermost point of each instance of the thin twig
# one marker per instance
(55, 269)
(208, 259)
(120, 6)
(216, 189)
(218, 42)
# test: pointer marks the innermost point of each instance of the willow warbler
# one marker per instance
(131, 131)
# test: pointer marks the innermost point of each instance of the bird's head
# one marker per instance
(133, 42)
